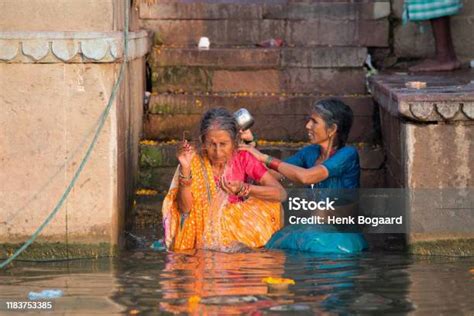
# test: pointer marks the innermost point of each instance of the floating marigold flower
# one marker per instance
(271, 280)
(278, 284)
(194, 299)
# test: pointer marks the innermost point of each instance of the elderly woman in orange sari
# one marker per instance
(220, 198)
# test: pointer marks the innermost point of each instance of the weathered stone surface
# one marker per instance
(276, 104)
(372, 178)
(164, 155)
(70, 47)
(157, 156)
(325, 81)
(249, 81)
(437, 246)
(421, 111)
(58, 105)
(447, 111)
(391, 139)
(338, 33)
(251, 32)
(440, 145)
(268, 10)
(169, 79)
(226, 58)
(441, 100)
(268, 127)
(166, 127)
(200, 11)
(276, 116)
(371, 157)
(468, 110)
(157, 178)
(54, 15)
(328, 10)
(324, 57)
(411, 41)
(220, 32)
(60, 251)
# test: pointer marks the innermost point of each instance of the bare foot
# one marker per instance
(436, 65)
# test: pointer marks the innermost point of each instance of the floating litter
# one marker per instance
(204, 43)
(45, 294)
(158, 245)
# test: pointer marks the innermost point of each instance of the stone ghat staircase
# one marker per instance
(325, 47)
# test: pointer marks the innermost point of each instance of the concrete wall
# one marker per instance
(416, 40)
(55, 86)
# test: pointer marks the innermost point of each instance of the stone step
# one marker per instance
(306, 33)
(158, 163)
(270, 127)
(278, 117)
(257, 104)
(163, 154)
(290, 80)
(259, 58)
(239, 10)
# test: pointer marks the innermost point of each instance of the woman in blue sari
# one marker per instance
(327, 164)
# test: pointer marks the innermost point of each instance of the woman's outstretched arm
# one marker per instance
(293, 173)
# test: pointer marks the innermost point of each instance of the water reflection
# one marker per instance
(230, 283)
(150, 283)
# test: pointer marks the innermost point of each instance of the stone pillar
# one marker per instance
(58, 63)
(428, 137)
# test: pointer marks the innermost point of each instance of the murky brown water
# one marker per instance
(154, 282)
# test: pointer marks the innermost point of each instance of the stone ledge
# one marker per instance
(70, 47)
(447, 97)
(463, 247)
(59, 251)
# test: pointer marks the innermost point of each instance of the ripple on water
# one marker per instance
(216, 283)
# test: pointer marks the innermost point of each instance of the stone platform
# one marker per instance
(428, 139)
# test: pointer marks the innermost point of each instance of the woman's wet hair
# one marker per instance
(334, 111)
(220, 119)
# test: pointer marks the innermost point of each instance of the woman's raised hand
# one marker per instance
(246, 135)
(185, 154)
(255, 152)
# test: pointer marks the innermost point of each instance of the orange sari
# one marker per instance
(213, 222)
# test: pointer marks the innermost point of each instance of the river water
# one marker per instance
(149, 283)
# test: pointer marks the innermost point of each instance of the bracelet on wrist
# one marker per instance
(182, 176)
(240, 189)
(245, 191)
(268, 160)
(274, 164)
(185, 182)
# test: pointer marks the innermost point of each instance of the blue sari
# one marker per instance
(344, 173)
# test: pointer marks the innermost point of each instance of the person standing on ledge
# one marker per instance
(438, 12)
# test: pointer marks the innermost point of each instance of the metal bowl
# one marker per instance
(244, 119)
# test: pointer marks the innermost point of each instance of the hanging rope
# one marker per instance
(84, 161)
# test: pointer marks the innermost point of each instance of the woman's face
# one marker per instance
(318, 131)
(219, 146)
